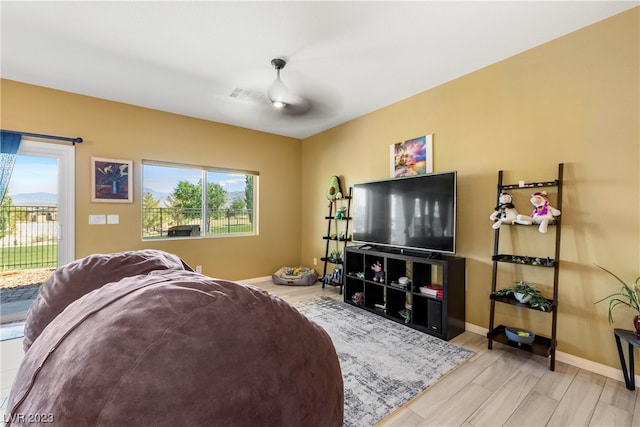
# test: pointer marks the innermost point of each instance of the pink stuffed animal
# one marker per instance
(542, 213)
(378, 273)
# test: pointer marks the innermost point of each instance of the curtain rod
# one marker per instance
(75, 141)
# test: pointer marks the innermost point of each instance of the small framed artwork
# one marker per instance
(412, 157)
(111, 180)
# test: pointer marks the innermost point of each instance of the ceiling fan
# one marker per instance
(281, 97)
(279, 101)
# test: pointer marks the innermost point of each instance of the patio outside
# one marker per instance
(28, 256)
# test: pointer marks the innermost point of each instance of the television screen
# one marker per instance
(415, 212)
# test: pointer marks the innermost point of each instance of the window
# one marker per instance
(175, 205)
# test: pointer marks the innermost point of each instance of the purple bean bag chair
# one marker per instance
(173, 347)
(72, 281)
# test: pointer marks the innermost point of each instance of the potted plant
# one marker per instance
(629, 295)
(524, 292)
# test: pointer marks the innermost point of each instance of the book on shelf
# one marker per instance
(431, 290)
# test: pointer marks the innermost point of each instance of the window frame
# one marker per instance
(204, 226)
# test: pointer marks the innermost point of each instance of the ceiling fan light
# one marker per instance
(278, 93)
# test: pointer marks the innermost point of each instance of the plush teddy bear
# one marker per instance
(505, 212)
(542, 212)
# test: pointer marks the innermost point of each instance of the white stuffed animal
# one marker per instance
(505, 212)
(542, 212)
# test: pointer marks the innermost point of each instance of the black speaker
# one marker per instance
(434, 315)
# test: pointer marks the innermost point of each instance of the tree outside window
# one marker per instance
(173, 202)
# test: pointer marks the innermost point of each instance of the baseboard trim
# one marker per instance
(255, 280)
(578, 362)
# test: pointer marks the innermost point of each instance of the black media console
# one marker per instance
(425, 291)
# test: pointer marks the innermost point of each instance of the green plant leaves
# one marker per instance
(536, 300)
(628, 295)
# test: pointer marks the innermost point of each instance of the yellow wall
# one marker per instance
(573, 100)
(121, 131)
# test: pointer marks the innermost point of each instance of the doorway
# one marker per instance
(41, 233)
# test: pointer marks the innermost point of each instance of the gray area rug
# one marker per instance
(384, 363)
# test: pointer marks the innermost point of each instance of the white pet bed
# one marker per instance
(295, 276)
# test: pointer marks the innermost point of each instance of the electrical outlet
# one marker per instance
(198, 269)
(315, 261)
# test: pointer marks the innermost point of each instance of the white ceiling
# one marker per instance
(346, 58)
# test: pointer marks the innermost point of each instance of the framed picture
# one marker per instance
(412, 157)
(111, 180)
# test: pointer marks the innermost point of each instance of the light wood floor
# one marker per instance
(499, 387)
(504, 387)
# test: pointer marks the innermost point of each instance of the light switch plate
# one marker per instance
(97, 219)
(113, 219)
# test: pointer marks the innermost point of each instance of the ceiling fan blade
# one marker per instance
(283, 99)
(297, 105)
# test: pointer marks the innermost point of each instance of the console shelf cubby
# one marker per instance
(441, 315)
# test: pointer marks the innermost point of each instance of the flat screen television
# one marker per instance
(409, 213)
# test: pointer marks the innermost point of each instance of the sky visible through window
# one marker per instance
(39, 175)
(162, 179)
(34, 175)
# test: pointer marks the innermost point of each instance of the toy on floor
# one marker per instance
(542, 213)
(505, 212)
(335, 278)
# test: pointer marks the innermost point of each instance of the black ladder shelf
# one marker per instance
(542, 345)
(338, 233)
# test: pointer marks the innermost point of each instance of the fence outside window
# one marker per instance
(29, 234)
(28, 237)
(175, 222)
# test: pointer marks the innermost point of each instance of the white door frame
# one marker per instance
(66, 156)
